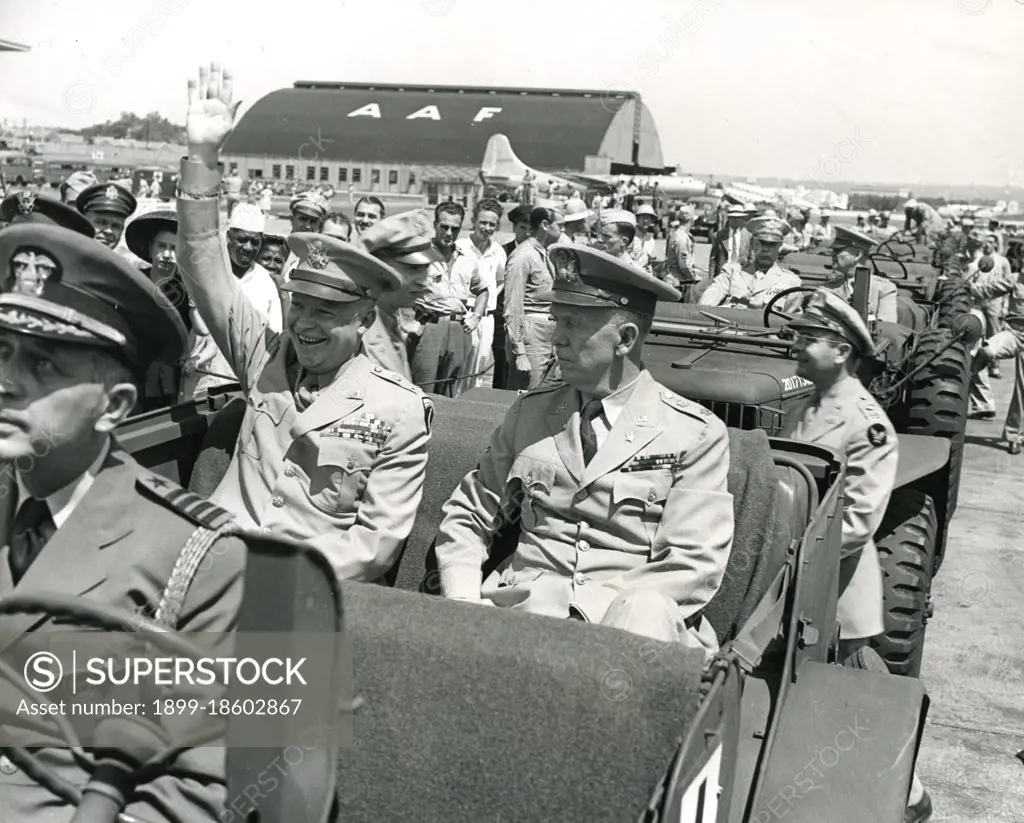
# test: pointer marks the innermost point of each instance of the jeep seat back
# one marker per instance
(470, 713)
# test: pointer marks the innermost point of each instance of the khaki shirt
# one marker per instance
(384, 343)
(748, 287)
(882, 297)
(345, 476)
(651, 510)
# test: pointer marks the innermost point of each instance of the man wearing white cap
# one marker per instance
(643, 243)
(755, 284)
(207, 366)
(576, 216)
(732, 243)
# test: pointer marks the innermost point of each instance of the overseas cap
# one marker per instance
(332, 269)
(404, 238)
(309, 202)
(139, 234)
(78, 182)
(587, 277)
(827, 310)
(109, 197)
(27, 207)
(62, 285)
(851, 238)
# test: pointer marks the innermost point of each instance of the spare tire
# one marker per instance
(906, 552)
(937, 405)
(952, 300)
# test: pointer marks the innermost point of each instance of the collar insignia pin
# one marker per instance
(630, 437)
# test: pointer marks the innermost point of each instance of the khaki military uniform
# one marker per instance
(345, 475)
(882, 297)
(849, 420)
(118, 547)
(752, 288)
(650, 512)
(385, 345)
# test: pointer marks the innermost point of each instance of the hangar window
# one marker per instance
(343, 174)
(325, 174)
(289, 172)
(310, 173)
(255, 174)
(276, 171)
(375, 176)
(357, 175)
(432, 191)
(393, 177)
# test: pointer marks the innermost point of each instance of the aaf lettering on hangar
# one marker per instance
(425, 113)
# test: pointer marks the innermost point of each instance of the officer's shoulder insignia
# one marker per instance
(877, 435)
(196, 509)
(395, 378)
(869, 407)
(674, 401)
(428, 413)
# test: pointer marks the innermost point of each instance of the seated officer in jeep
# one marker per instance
(619, 484)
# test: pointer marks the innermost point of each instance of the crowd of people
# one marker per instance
(339, 331)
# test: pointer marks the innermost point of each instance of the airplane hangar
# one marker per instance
(429, 140)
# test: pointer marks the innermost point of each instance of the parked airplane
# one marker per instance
(669, 185)
(501, 168)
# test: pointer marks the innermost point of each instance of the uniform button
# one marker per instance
(583, 546)
(289, 472)
(6, 766)
(583, 525)
(351, 464)
(529, 478)
(582, 495)
(651, 497)
(580, 578)
(277, 502)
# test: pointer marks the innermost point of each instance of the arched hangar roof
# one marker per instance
(548, 129)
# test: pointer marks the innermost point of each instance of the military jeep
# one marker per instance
(467, 713)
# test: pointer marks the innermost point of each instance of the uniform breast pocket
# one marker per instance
(338, 481)
(638, 501)
(261, 420)
(536, 481)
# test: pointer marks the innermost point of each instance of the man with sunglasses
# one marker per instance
(851, 250)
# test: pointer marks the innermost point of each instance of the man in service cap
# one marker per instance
(78, 328)
(619, 484)
(753, 285)
(842, 415)
(332, 449)
(307, 213)
(29, 207)
(850, 250)
(76, 183)
(107, 206)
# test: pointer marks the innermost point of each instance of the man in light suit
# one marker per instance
(619, 484)
(731, 244)
(79, 327)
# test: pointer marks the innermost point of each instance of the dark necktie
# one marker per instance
(33, 526)
(588, 437)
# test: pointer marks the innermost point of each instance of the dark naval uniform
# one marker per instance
(120, 535)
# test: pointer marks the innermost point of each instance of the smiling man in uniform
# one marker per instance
(107, 206)
(332, 449)
(619, 484)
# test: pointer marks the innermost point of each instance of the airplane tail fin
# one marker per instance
(500, 161)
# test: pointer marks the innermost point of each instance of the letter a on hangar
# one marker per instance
(424, 113)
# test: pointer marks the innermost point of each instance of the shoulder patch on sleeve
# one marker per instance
(395, 378)
(195, 509)
(681, 404)
(877, 435)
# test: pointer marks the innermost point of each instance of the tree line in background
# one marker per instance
(153, 127)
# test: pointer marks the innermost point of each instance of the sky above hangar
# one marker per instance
(874, 90)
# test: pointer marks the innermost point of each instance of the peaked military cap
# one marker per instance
(27, 207)
(61, 285)
(587, 277)
(109, 197)
(331, 269)
(828, 311)
(139, 234)
(769, 229)
(308, 202)
(404, 238)
(852, 238)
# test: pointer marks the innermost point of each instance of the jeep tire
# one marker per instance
(906, 552)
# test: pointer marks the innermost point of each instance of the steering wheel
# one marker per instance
(888, 257)
(897, 238)
(769, 307)
(104, 804)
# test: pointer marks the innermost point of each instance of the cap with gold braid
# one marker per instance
(332, 269)
(587, 277)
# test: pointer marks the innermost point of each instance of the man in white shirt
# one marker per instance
(207, 366)
(486, 253)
